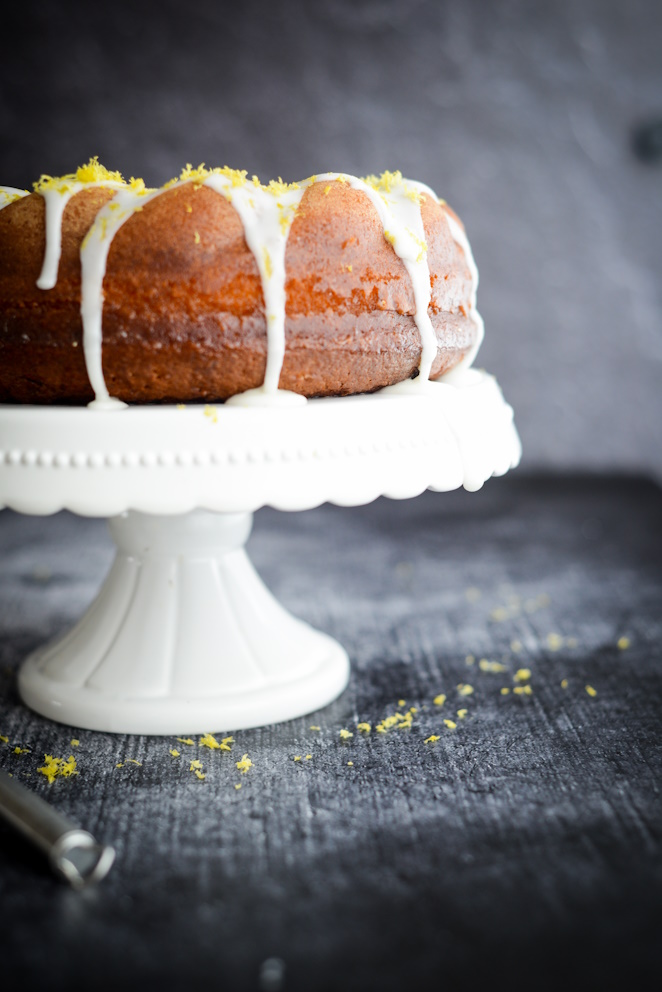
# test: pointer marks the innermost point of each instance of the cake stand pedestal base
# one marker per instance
(183, 638)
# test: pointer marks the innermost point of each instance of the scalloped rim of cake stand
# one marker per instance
(345, 450)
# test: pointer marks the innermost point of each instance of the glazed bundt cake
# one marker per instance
(215, 285)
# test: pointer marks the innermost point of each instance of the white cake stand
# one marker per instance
(183, 636)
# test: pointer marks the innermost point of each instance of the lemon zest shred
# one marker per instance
(591, 691)
(244, 764)
(208, 740)
(431, 739)
(491, 666)
(58, 767)
(440, 699)
(450, 724)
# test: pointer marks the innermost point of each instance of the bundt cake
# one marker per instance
(215, 285)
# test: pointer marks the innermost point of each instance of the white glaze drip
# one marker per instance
(267, 218)
(9, 193)
(402, 222)
(56, 199)
(93, 258)
(459, 237)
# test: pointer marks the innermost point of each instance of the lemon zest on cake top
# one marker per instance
(89, 174)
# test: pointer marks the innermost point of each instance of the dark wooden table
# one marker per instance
(523, 844)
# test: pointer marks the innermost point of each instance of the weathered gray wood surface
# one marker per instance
(524, 843)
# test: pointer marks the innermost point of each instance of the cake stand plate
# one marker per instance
(183, 636)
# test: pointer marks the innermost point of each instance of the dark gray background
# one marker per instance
(520, 114)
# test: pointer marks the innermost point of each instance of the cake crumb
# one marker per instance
(440, 699)
(590, 690)
(244, 764)
(346, 734)
(431, 739)
(197, 238)
(210, 412)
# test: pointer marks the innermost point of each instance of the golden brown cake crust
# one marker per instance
(183, 315)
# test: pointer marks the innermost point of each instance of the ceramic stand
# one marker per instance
(184, 637)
